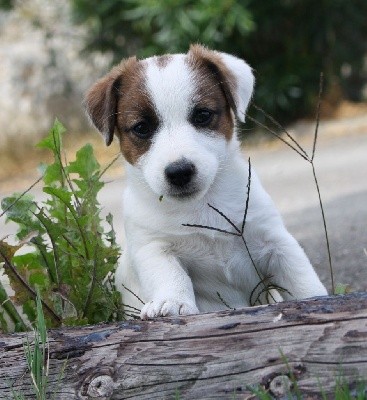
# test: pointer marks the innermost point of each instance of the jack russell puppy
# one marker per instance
(186, 248)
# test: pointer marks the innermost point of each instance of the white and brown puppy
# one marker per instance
(175, 118)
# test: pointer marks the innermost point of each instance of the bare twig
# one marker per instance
(131, 307)
(225, 217)
(247, 196)
(278, 136)
(109, 165)
(325, 228)
(224, 302)
(281, 127)
(309, 158)
(252, 303)
(239, 233)
(21, 195)
(134, 294)
(32, 292)
(212, 228)
(317, 115)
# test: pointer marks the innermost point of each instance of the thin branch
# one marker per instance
(318, 115)
(23, 282)
(278, 136)
(281, 127)
(224, 302)
(225, 217)
(109, 165)
(247, 196)
(325, 228)
(307, 158)
(252, 303)
(212, 228)
(134, 294)
(132, 316)
(131, 307)
(21, 195)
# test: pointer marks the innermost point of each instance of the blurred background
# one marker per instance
(52, 51)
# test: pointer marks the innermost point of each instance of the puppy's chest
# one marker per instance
(214, 254)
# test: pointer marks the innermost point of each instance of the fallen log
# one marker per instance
(308, 344)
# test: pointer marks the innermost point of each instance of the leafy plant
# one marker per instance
(67, 252)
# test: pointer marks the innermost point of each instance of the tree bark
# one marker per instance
(310, 344)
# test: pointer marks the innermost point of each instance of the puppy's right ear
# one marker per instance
(102, 99)
(101, 104)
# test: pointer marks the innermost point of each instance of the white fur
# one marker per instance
(177, 269)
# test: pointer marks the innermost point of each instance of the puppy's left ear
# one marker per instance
(243, 87)
(234, 75)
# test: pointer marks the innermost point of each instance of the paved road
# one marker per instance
(341, 162)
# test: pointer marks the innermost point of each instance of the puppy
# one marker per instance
(175, 118)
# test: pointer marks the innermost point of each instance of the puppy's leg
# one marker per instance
(286, 262)
(164, 282)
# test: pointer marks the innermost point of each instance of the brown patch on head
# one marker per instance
(162, 61)
(134, 106)
(118, 102)
(101, 101)
(215, 85)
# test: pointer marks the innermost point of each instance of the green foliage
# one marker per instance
(288, 43)
(69, 253)
(6, 4)
(37, 354)
(150, 27)
(342, 288)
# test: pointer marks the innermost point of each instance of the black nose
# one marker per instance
(180, 173)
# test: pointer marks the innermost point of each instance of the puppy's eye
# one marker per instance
(202, 117)
(143, 130)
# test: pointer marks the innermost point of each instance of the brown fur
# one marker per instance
(215, 85)
(162, 61)
(101, 101)
(117, 102)
(134, 105)
(120, 99)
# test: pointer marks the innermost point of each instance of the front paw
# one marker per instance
(168, 307)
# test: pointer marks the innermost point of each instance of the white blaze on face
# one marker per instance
(171, 89)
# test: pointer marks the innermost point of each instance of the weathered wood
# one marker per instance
(204, 356)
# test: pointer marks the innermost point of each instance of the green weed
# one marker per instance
(37, 355)
(67, 251)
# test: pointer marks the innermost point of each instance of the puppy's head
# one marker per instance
(174, 116)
